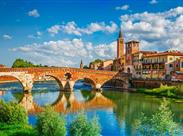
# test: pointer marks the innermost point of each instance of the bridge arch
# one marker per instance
(45, 77)
(114, 82)
(86, 80)
(13, 78)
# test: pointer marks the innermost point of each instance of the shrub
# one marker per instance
(82, 127)
(16, 130)
(3, 134)
(12, 113)
(179, 90)
(160, 123)
(50, 123)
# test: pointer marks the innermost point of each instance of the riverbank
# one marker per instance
(164, 91)
(153, 83)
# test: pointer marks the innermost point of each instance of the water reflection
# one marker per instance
(2, 92)
(117, 111)
(69, 103)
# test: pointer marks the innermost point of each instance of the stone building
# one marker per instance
(119, 61)
(2, 66)
(137, 59)
(107, 65)
(97, 64)
(131, 48)
(162, 64)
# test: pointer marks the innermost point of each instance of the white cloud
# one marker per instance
(54, 30)
(34, 13)
(38, 33)
(94, 27)
(66, 52)
(7, 37)
(35, 36)
(153, 2)
(156, 31)
(124, 7)
(72, 28)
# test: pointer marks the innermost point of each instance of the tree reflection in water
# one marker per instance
(130, 106)
(159, 123)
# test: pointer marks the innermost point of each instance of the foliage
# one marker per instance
(164, 90)
(179, 90)
(160, 123)
(97, 61)
(20, 63)
(17, 130)
(12, 113)
(49, 123)
(86, 67)
(82, 127)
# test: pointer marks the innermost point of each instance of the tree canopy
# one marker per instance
(97, 61)
(21, 63)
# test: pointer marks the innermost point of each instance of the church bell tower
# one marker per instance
(81, 64)
(120, 46)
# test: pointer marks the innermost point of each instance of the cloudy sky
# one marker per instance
(62, 32)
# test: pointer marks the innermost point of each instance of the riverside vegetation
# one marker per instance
(160, 123)
(164, 91)
(14, 122)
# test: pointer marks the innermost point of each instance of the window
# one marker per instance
(170, 58)
(170, 65)
(182, 65)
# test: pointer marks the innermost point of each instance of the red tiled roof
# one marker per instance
(145, 52)
(134, 41)
(1, 65)
(165, 54)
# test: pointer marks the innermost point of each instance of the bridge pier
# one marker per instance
(27, 85)
(69, 85)
(63, 82)
(27, 101)
(126, 85)
(98, 86)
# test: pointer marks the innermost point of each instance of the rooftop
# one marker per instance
(132, 41)
(166, 53)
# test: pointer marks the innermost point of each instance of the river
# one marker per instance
(116, 111)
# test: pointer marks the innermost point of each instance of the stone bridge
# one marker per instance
(65, 77)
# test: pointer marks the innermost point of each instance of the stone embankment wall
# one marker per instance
(153, 83)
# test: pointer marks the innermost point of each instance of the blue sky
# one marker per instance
(62, 32)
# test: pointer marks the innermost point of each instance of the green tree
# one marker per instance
(86, 67)
(50, 123)
(160, 123)
(82, 127)
(12, 113)
(20, 63)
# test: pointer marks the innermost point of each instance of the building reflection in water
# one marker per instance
(69, 103)
(2, 92)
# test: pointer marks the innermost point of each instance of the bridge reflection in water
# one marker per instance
(70, 104)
